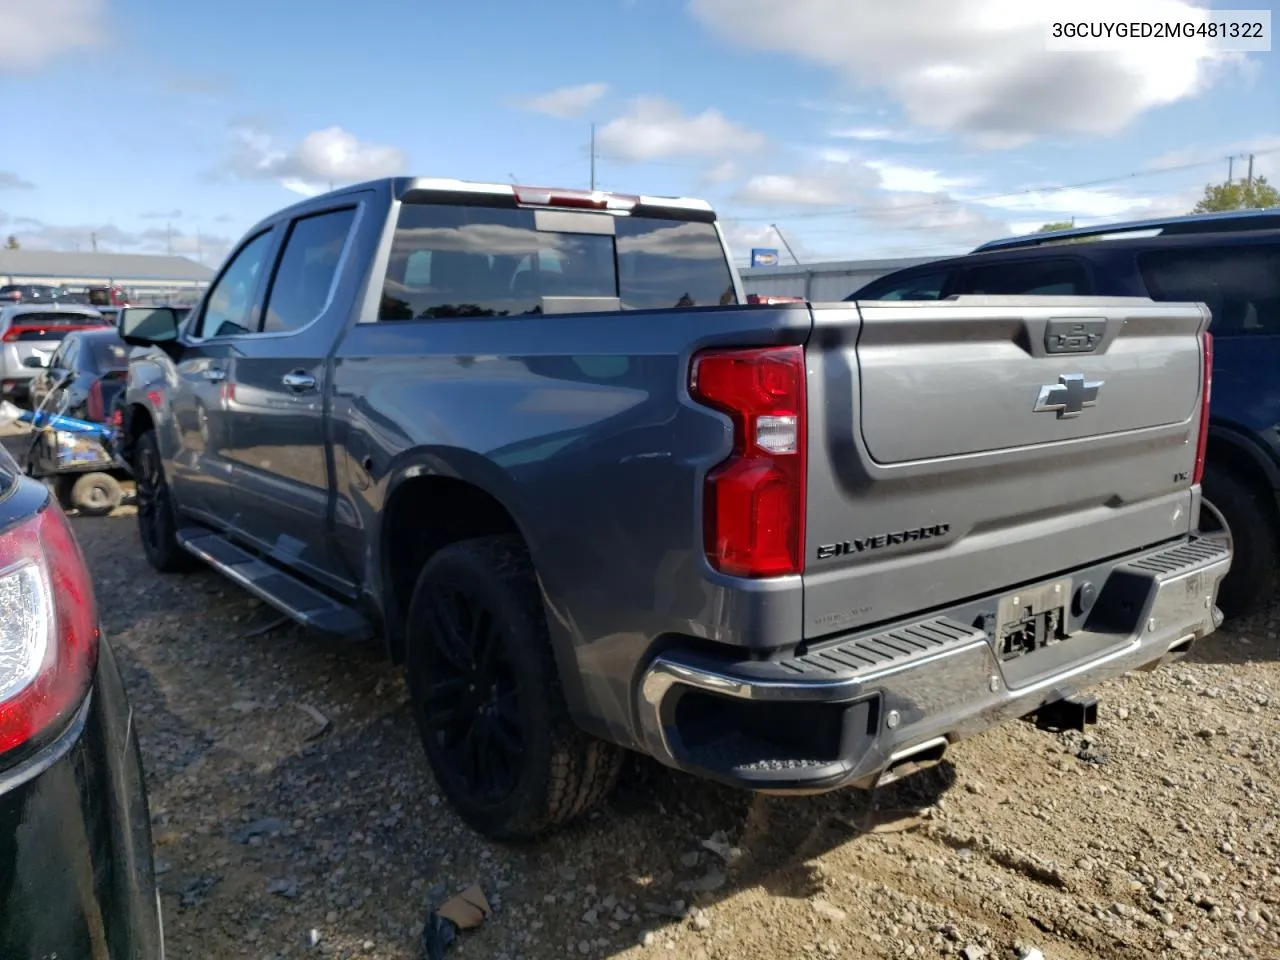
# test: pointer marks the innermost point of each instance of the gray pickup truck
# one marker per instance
(535, 440)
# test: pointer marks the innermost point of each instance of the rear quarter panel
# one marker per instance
(581, 426)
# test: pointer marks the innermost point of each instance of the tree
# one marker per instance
(1238, 195)
(12, 243)
(1060, 225)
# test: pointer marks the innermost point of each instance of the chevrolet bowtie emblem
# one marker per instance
(1071, 394)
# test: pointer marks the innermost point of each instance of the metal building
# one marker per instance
(833, 280)
(138, 273)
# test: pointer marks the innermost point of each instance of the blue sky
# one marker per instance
(861, 128)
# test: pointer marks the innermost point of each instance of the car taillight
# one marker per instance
(754, 500)
(94, 408)
(1207, 378)
(117, 418)
(48, 627)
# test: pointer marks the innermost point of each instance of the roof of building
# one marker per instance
(107, 266)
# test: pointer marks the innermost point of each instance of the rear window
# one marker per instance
(107, 355)
(1041, 278)
(1240, 284)
(473, 261)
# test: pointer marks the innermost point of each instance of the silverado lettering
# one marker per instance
(845, 547)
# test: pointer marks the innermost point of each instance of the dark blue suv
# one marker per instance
(1231, 262)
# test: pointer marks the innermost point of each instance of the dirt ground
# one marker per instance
(295, 816)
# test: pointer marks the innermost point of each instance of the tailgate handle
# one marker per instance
(1073, 336)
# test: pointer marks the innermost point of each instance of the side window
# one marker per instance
(923, 286)
(70, 355)
(227, 311)
(1043, 278)
(1239, 284)
(306, 270)
(56, 361)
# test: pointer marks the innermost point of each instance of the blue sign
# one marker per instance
(762, 257)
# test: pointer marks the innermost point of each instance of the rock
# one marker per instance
(701, 921)
(647, 939)
(584, 947)
(259, 828)
(973, 952)
(827, 911)
(284, 887)
(711, 881)
(690, 859)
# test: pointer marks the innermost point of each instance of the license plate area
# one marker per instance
(1030, 620)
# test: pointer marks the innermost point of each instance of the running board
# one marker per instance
(312, 609)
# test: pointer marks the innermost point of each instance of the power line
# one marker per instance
(853, 211)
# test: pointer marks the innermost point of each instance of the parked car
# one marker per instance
(76, 874)
(28, 336)
(1230, 262)
(31, 293)
(83, 375)
(536, 441)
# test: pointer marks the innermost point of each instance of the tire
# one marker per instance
(95, 494)
(476, 621)
(157, 517)
(1249, 524)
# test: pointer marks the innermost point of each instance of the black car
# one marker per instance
(1230, 262)
(83, 376)
(76, 874)
(31, 293)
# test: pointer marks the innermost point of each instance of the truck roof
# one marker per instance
(446, 189)
(1228, 221)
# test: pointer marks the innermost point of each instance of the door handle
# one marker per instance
(299, 381)
(214, 373)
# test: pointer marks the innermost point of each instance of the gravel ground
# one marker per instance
(295, 816)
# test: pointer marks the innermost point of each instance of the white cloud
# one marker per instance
(322, 157)
(36, 31)
(566, 102)
(783, 189)
(980, 68)
(720, 173)
(1082, 202)
(883, 135)
(656, 129)
(903, 179)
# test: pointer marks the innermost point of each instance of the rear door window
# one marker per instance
(475, 261)
(923, 286)
(308, 264)
(1044, 277)
(1239, 284)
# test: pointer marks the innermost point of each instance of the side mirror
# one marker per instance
(36, 361)
(148, 326)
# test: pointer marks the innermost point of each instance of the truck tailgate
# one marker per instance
(967, 446)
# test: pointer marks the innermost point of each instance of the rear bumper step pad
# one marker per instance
(897, 688)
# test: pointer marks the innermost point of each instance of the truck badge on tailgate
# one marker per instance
(1071, 394)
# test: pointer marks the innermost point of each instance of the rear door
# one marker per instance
(276, 390)
(969, 446)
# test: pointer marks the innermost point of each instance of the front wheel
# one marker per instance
(157, 516)
(487, 698)
(1237, 513)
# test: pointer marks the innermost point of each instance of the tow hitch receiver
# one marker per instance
(1071, 713)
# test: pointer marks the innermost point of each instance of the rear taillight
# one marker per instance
(117, 418)
(1207, 378)
(94, 408)
(754, 501)
(48, 627)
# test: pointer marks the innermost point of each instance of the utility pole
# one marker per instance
(1231, 163)
(93, 240)
(168, 238)
(593, 156)
(1250, 181)
(785, 244)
